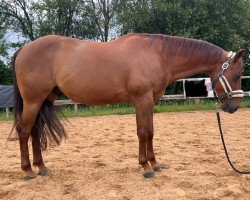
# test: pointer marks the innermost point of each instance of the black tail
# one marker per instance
(17, 99)
(48, 125)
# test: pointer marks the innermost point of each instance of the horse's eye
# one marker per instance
(236, 77)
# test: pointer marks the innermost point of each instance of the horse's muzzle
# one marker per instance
(229, 107)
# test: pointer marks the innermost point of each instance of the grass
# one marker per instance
(125, 108)
(186, 105)
(85, 111)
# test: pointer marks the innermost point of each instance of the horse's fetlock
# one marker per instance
(151, 158)
(26, 166)
(37, 163)
(143, 161)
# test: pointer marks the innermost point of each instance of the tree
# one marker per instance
(5, 74)
(224, 23)
(17, 12)
(76, 18)
(57, 17)
(100, 14)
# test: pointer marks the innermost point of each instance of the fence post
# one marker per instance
(197, 102)
(75, 108)
(184, 90)
(7, 112)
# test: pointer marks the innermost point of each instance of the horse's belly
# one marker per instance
(95, 98)
(95, 92)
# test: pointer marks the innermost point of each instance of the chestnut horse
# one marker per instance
(134, 68)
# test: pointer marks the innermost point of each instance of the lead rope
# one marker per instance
(224, 145)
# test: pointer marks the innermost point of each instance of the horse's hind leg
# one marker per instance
(24, 128)
(37, 154)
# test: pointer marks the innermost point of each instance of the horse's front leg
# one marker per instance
(150, 150)
(144, 120)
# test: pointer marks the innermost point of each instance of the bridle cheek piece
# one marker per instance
(229, 93)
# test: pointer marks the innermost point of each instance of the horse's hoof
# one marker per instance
(43, 173)
(149, 174)
(157, 169)
(27, 178)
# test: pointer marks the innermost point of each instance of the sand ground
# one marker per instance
(99, 160)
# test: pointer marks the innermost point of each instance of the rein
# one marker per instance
(224, 145)
(229, 93)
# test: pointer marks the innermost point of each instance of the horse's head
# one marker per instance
(226, 81)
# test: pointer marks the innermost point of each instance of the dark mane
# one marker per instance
(198, 49)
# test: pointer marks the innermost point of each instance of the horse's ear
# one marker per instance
(239, 54)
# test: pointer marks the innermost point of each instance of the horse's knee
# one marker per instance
(146, 135)
(142, 133)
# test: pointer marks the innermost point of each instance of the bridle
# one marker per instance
(229, 93)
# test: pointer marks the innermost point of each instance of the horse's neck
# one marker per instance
(186, 57)
(188, 66)
(184, 66)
